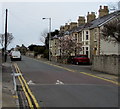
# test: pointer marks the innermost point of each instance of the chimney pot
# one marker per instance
(106, 7)
(91, 16)
(100, 7)
(104, 11)
(81, 20)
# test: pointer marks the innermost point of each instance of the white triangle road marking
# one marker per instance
(30, 82)
(59, 82)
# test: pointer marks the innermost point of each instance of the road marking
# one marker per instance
(26, 94)
(15, 96)
(114, 82)
(30, 82)
(59, 82)
(88, 74)
(28, 89)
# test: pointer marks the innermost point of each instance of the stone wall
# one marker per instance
(107, 63)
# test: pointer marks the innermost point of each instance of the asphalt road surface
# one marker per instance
(0, 80)
(56, 87)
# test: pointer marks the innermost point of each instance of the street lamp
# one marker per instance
(49, 36)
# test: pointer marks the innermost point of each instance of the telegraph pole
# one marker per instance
(49, 39)
(5, 50)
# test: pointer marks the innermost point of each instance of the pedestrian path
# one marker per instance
(7, 99)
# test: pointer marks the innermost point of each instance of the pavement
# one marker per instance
(8, 97)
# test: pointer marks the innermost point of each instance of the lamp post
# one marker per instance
(49, 36)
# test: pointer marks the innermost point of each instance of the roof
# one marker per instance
(93, 24)
(102, 20)
(97, 22)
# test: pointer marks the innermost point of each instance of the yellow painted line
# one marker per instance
(34, 99)
(114, 82)
(61, 67)
(15, 96)
(23, 87)
(108, 80)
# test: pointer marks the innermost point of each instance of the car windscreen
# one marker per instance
(16, 53)
(82, 56)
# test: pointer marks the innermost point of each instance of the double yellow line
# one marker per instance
(33, 104)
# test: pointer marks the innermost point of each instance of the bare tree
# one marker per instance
(111, 31)
(9, 39)
(43, 36)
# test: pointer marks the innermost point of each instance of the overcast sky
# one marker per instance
(25, 18)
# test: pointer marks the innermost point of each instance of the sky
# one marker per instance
(25, 18)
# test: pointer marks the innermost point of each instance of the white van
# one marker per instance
(15, 55)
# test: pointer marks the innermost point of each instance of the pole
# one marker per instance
(49, 39)
(5, 50)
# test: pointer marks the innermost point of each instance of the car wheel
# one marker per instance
(11, 59)
(77, 63)
(20, 59)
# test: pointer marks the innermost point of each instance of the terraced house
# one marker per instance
(88, 34)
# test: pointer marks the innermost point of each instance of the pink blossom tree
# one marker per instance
(68, 46)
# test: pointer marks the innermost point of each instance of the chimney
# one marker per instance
(91, 16)
(66, 27)
(81, 20)
(62, 29)
(104, 11)
(72, 25)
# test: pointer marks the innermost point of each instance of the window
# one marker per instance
(95, 37)
(86, 32)
(80, 37)
(83, 49)
(87, 51)
(55, 52)
(76, 37)
(86, 35)
(87, 48)
(83, 36)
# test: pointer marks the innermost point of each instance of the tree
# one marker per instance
(69, 46)
(45, 37)
(111, 31)
(38, 49)
(9, 39)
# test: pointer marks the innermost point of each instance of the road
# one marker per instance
(0, 80)
(55, 86)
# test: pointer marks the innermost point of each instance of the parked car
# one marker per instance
(83, 59)
(15, 55)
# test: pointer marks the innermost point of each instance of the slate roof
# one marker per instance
(95, 23)
(102, 20)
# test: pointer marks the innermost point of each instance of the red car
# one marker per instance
(81, 59)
